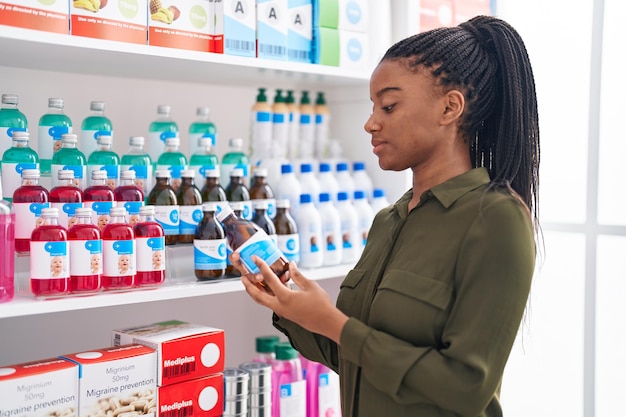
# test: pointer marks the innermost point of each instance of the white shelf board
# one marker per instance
(25, 48)
(179, 287)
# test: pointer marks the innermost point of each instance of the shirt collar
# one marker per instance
(450, 191)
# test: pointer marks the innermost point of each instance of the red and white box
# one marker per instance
(200, 397)
(115, 20)
(46, 387)
(116, 380)
(49, 16)
(184, 350)
(181, 24)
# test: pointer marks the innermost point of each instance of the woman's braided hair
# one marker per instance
(485, 58)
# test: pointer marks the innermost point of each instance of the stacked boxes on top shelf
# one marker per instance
(123, 21)
(49, 16)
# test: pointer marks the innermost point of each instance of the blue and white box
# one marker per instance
(239, 17)
(272, 27)
(351, 15)
(300, 31)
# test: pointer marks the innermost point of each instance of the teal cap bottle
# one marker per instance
(15, 160)
(52, 126)
(94, 126)
(69, 157)
(11, 120)
(104, 159)
(137, 159)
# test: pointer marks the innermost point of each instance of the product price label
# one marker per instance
(12, 176)
(27, 217)
(168, 218)
(293, 399)
(209, 254)
(190, 216)
(49, 260)
(261, 245)
(150, 254)
(83, 250)
(289, 245)
(119, 258)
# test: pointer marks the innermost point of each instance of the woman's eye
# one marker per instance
(387, 109)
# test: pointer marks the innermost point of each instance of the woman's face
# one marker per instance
(405, 121)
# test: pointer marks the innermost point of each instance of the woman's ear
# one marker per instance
(455, 104)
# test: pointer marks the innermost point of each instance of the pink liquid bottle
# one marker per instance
(86, 254)
(118, 252)
(66, 197)
(288, 384)
(7, 250)
(130, 196)
(100, 198)
(28, 201)
(49, 257)
(265, 349)
(322, 389)
(150, 241)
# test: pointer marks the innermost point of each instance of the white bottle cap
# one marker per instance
(163, 173)
(98, 174)
(188, 173)
(209, 206)
(50, 212)
(237, 172)
(96, 105)
(282, 203)
(69, 138)
(21, 135)
(56, 103)
(260, 172)
(10, 99)
(260, 204)
(104, 140)
(137, 141)
(164, 109)
(128, 174)
(174, 141)
(202, 111)
(236, 205)
(225, 212)
(66, 174)
(212, 173)
(146, 211)
(118, 211)
(84, 212)
(32, 173)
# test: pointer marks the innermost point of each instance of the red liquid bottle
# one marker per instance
(118, 252)
(66, 197)
(150, 240)
(130, 196)
(28, 201)
(99, 197)
(49, 260)
(86, 254)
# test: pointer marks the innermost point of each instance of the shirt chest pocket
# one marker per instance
(350, 298)
(411, 307)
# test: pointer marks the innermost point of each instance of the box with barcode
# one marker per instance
(300, 31)
(184, 350)
(238, 18)
(41, 388)
(200, 397)
(272, 28)
(116, 380)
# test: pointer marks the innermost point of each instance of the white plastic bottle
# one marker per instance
(322, 121)
(307, 127)
(344, 179)
(328, 182)
(365, 214)
(351, 239)
(260, 129)
(309, 182)
(309, 224)
(361, 179)
(379, 200)
(280, 126)
(331, 230)
(288, 187)
(294, 125)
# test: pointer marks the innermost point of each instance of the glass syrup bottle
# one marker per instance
(130, 196)
(66, 197)
(69, 157)
(261, 190)
(287, 236)
(103, 158)
(49, 260)
(190, 207)
(150, 241)
(85, 242)
(262, 219)
(212, 190)
(237, 191)
(166, 210)
(119, 252)
(137, 159)
(100, 198)
(28, 201)
(17, 158)
(209, 246)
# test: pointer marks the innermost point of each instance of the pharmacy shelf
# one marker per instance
(25, 48)
(179, 286)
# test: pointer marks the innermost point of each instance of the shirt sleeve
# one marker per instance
(494, 272)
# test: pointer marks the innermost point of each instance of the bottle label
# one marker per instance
(50, 140)
(82, 250)
(247, 211)
(113, 174)
(209, 254)
(6, 137)
(261, 245)
(293, 399)
(143, 176)
(49, 260)
(132, 210)
(289, 245)
(168, 218)
(101, 212)
(119, 258)
(190, 216)
(271, 206)
(150, 254)
(67, 213)
(80, 171)
(328, 394)
(27, 218)
(12, 176)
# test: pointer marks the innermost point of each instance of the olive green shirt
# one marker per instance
(435, 303)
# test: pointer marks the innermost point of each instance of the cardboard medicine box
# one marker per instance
(184, 350)
(238, 19)
(300, 31)
(116, 380)
(115, 20)
(350, 15)
(181, 24)
(46, 387)
(272, 29)
(49, 16)
(340, 48)
(194, 398)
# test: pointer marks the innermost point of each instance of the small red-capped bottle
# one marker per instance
(99, 198)
(150, 242)
(66, 197)
(49, 257)
(86, 254)
(28, 201)
(129, 196)
(118, 252)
